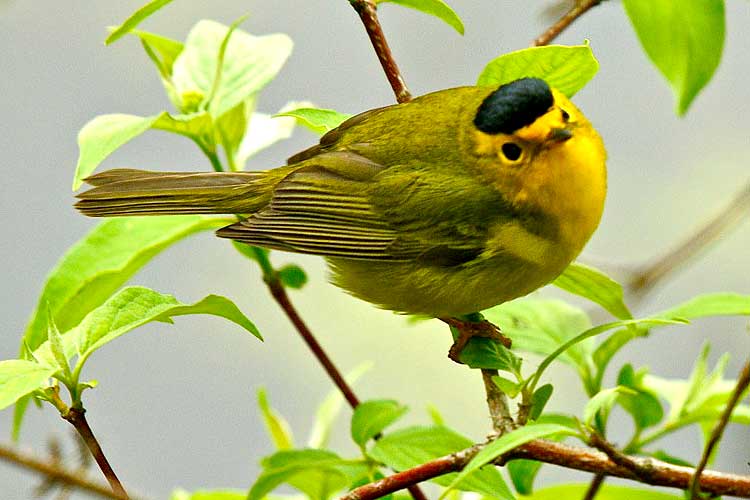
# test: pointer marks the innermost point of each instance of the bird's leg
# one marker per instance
(473, 326)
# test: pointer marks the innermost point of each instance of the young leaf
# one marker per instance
(436, 8)
(539, 400)
(642, 405)
(293, 276)
(330, 408)
(683, 39)
(135, 19)
(602, 403)
(596, 286)
(507, 386)
(97, 265)
(319, 121)
(712, 304)
(567, 69)
(488, 354)
(607, 492)
(541, 326)
(19, 377)
(287, 465)
(104, 134)
(58, 352)
(413, 446)
(209, 495)
(130, 308)
(161, 50)
(371, 417)
(249, 64)
(276, 425)
(504, 444)
(609, 347)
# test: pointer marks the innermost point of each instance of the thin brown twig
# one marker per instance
(573, 457)
(279, 294)
(497, 402)
(77, 418)
(596, 483)
(710, 232)
(367, 11)
(580, 8)
(58, 473)
(739, 389)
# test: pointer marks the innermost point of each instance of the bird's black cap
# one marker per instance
(513, 106)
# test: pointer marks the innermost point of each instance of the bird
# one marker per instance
(443, 206)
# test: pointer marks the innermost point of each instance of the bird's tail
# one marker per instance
(138, 192)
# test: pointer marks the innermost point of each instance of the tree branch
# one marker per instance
(710, 232)
(573, 457)
(58, 474)
(579, 9)
(497, 402)
(367, 11)
(742, 384)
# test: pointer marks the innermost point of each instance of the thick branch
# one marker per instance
(579, 9)
(77, 418)
(367, 11)
(573, 457)
(58, 474)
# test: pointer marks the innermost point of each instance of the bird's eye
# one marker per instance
(511, 151)
(565, 115)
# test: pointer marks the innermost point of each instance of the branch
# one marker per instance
(573, 457)
(719, 225)
(742, 384)
(367, 11)
(76, 417)
(580, 8)
(57, 474)
(497, 402)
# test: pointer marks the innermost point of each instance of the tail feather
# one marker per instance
(139, 192)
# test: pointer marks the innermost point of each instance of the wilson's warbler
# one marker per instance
(449, 204)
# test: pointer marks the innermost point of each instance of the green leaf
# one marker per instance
(596, 286)
(97, 265)
(539, 400)
(330, 408)
(414, 446)
(684, 40)
(161, 50)
(565, 68)
(249, 64)
(601, 403)
(523, 472)
(276, 425)
(507, 386)
(713, 304)
(135, 19)
(209, 495)
(289, 466)
(19, 378)
(319, 121)
(488, 354)
(58, 358)
(193, 125)
(371, 417)
(504, 444)
(609, 347)
(642, 405)
(541, 326)
(293, 276)
(133, 307)
(436, 8)
(104, 134)
(607, 492)
(230, 129)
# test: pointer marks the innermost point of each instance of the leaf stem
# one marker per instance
(739, 389)
(579, 8)
(367, 11)
(76, 416)
(211, 155)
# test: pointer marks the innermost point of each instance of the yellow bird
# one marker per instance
(446, 205)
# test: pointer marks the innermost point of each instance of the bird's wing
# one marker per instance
(323, 208)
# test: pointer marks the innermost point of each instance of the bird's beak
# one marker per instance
(561, 134)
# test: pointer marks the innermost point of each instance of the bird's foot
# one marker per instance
(468, 329)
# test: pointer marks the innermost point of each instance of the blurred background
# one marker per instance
(175, 406)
